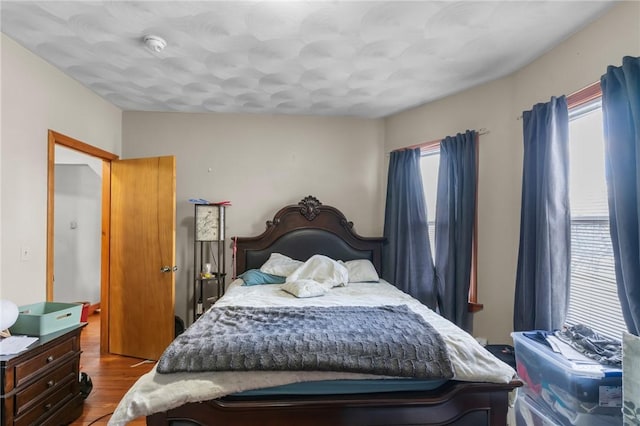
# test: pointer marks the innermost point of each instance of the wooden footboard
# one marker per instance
(455, 403)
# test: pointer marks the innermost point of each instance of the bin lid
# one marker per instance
(579, 364)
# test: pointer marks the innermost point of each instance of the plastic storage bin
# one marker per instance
(574, 394)
(529, 413)
(43, 318)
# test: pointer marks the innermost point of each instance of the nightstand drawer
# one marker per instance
(32, 366)
(46, 384)
(49, 404)
(40, 386)
(70, 410)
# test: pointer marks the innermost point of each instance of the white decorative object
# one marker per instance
(8, 314)
(207, 223)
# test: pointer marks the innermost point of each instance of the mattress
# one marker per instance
(155, 392)
(346, 387)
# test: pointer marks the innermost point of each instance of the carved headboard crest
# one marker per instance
(309, 207)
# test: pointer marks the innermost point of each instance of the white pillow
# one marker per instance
(305, 288)
(361, 270)
(322, 269)
(279, 264)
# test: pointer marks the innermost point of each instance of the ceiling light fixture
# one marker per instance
(154, 43)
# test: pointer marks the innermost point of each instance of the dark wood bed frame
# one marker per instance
(300, 231)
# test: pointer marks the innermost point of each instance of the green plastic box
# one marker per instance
(43, 318)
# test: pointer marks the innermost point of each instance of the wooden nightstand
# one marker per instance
(41, 385)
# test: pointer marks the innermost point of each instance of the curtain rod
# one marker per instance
(582, 96)
(432, 144)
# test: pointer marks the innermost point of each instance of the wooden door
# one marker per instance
(141, 295)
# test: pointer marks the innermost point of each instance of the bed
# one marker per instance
(477, 394)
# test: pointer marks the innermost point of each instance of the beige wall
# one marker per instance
(261, 163)
(37, 97)
(577, 62)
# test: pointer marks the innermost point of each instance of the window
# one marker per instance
(594, 296)
(429, 166)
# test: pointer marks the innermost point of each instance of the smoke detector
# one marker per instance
(154, 43)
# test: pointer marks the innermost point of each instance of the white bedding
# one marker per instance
(155, 392)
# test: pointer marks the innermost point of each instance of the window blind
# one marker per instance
(594, 296)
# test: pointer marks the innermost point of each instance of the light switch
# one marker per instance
(25, 254)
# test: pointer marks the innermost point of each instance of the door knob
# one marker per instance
(168, 269)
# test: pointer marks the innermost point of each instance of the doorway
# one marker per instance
(103, 159)
(77, 227)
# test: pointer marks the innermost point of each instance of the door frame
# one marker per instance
(55, 138)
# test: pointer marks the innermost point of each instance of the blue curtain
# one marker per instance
(621, 111)
(455, 217)
(543, 274)
(407, 260)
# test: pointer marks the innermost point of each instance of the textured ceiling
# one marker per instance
(357, 58)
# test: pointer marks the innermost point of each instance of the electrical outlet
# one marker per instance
(25, 254)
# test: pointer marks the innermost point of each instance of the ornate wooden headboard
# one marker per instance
(304, 229)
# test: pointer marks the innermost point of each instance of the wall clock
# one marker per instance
(207, 223)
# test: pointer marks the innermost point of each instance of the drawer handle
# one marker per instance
(47, 407)
(50, 383)
(50, 358)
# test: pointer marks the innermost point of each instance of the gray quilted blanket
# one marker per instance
(385, 340)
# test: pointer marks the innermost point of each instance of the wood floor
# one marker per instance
(112, 376)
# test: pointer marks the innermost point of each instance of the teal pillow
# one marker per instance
(257, 277)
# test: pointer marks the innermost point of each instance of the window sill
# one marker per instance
(475, 307)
